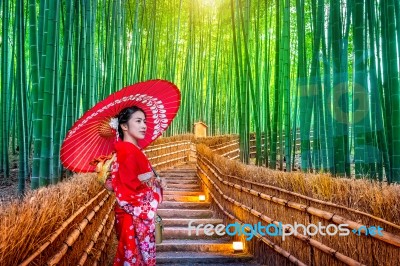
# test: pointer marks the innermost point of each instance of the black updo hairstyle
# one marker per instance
(125, 115)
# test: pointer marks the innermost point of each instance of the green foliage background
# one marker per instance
(316, 80)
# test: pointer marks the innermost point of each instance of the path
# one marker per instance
(181, 205)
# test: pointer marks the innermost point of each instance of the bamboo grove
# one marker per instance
(317, 81)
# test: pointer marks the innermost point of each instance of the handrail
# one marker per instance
(229, 152)
(229, 145)
(326, 249)
(64, 225)
(303, 196)
(94, 239)
(277, 248)
(167, 145)
(172, 160)
(386, 236)
(229, 142)
(168, 154)
(73, 236)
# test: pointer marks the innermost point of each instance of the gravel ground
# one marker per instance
(9, 188)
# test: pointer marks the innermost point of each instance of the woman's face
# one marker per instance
(135, 128)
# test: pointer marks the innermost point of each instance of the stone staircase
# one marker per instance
(181, 205)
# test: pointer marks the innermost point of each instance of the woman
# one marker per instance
(133, 181)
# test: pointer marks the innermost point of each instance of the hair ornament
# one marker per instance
(114, 123)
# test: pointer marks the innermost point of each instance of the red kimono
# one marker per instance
(136, 208)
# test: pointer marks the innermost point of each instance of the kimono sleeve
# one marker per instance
(128, 176)
(144, 168)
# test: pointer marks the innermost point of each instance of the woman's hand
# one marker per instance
(160, 182)
(156, 181)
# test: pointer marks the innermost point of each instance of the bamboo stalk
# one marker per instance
(233, 158)
(101, 248)
(214, 147)
(229, 152)
(226, 146)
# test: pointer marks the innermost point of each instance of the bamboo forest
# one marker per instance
(132, 131)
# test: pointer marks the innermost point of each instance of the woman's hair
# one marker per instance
(124, 116)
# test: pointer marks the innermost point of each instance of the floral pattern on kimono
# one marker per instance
(136, 208)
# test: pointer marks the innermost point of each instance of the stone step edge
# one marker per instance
(186, 210)
(203, 255)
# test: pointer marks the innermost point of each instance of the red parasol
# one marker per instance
(92, 136)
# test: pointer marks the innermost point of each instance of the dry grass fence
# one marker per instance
(253, 194)
(167, 152)
(47, 218)
(224, 145)
(71, 223)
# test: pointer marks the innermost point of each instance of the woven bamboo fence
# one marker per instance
(61, 224)
(86, 232)
(225, 145)
(249, 194)
(168, 152)
(72, 223)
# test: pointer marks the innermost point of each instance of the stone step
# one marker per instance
(175, 232)
(180, 169)
(181, 189)
(190, 258)
(202, 245)
(193, 181)
(180, 172)
(211, 264)
(183, 181)
(182, 222)
(181, 198)
(183, 205)
(185, 213)
(246, 263)
(183, 193)
(179, 178)
(172, 186)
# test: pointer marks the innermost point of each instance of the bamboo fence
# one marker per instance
(80, 224)
(244, 194)
(72, 222)
(225, 145)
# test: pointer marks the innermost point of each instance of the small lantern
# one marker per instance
(237, 246)
(202, 197)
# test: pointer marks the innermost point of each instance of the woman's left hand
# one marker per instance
(160, 182)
